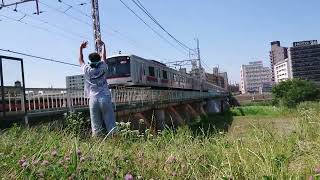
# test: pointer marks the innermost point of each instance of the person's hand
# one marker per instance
(84, 44)
(99, 42)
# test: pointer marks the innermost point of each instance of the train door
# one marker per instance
(158, 76)
(144, 70)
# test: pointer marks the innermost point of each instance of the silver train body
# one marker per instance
(131, 70)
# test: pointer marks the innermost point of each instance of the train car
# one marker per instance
(132, 70)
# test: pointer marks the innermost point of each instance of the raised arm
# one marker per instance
(103, 50)
(104, 53)
(82, 46)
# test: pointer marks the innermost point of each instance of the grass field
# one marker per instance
(251, 146)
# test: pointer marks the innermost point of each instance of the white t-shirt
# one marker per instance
(96, 80)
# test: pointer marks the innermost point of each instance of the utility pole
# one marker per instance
(96, 24)
(201, 75)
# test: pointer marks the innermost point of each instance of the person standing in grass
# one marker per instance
(97, 90)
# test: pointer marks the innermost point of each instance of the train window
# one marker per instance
(118, 67)
(151, 71)
(164, 74)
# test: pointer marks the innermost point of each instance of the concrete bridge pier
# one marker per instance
(175, 116)
(160, 118)
(202, 111)
(199, 108)
(193, 111)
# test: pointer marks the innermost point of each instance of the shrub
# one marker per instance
(290, 93)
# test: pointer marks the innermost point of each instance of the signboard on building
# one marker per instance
(305, 43)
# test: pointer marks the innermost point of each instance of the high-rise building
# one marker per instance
(304, 60)
(75, 82)
(215, 71)
(254, 77)
(219, 79)
(277, 54)
(224, 76)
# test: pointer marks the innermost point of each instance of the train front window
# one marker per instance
(118, 67)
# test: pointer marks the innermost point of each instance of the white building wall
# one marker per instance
(254, 76)
(282, 71)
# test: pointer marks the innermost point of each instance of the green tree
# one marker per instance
(290, 93)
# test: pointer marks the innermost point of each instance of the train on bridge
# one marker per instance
(132, 70)
(123, 70)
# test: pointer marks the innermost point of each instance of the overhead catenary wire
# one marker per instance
(63, 12)
(141, 7)
(121, 35)
(151, 28)
(38, 57)
(51, 24)
(37, 27)
(75, 9)
(113, 31)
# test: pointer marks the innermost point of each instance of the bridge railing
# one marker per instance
(39, 100)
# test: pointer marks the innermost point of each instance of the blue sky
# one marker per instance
(231, 32)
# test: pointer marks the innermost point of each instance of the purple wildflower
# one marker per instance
(128, 177)
(24, 164)
(54, 153)
(21, 161)
(45, 163)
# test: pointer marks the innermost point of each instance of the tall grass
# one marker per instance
(261, 153)
(261, 111)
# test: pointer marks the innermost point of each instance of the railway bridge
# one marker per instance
(156, 107)
(161, 107)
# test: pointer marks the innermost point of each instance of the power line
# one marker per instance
(72, 7)
(38, 57)
(121, 35)
(37, 27)
(113, 31)
(163, 38)
(50, 24)
(64, 12)
(141, 7)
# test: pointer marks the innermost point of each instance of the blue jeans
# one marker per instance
(101, 113)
